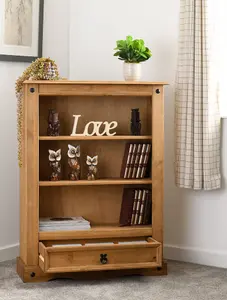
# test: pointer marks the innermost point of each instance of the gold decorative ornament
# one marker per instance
(41, 69)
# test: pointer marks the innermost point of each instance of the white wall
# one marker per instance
(55, 40)
(195, 222)
(9, 174)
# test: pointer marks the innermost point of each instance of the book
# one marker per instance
(147, 218)
(134, 207)
(145, 161)
(127, 206)
(139, 169)
(132, 161)
(136, 164)
(63, 223)
(141, 213)
(138, 204)
(126, 160)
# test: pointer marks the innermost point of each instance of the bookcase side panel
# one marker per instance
(23, 176)
(157, 162)
(31, 176)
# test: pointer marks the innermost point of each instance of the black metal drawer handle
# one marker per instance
(103, 259)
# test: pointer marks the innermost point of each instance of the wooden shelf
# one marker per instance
(98, 232)
(95, 138)
(95, 182)
(71, 82)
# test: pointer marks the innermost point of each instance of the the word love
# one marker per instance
(93, 128)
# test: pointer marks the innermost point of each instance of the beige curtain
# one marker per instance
(197, 119)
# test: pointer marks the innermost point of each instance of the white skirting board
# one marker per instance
(196, 255)
(9, 252)
(171, 252)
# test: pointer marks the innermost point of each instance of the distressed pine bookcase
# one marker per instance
(98, 201)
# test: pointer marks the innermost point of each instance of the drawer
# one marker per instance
(100, 256)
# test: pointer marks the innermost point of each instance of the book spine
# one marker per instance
(141, 161)
(136, 164)
(132, 160)
(134, 207)
(148, 209)
(126, 206)
(142, 207)
(145, 160)
(138, 204)
(126, 161)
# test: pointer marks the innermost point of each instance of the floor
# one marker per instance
(185, 281)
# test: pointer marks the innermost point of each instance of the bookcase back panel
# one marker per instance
(110, 156)
(98, 204)
(94, 108)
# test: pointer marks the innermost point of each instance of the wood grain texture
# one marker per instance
(100, 205)
(30, 178)
(25, 273)
(110, 157)
(157, 162)
(95, 182)
(96, 90)
(98, 231)
(91, 108)
(73, 82)
(99, 246)
(96, 138)
(86, 258)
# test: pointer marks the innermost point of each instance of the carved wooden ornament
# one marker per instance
(94, 126)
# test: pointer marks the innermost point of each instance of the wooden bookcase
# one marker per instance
(98, 201)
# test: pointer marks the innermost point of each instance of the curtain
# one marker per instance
(197, 119)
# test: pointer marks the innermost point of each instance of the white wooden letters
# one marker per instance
(93, 128)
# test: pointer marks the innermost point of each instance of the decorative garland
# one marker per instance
(40, 69)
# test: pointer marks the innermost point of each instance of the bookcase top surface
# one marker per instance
(62, 82)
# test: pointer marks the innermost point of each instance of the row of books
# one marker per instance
(136, 160)
(63, 224)
(136, 207)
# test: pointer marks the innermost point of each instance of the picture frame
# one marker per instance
(21, 30)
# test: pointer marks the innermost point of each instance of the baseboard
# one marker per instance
(196, 255)
(9, 252)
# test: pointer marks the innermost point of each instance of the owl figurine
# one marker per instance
(74, 162)
(55, 164)
(92, 163)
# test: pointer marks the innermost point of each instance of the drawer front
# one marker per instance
(88, 258)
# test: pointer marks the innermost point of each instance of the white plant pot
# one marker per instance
(132, 71)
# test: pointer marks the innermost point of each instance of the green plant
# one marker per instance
(132, 51)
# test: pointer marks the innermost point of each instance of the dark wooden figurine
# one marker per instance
(74, 162)
(53, 123)
(55, 164)
(135, 122)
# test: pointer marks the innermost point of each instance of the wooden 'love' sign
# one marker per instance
(95, 128)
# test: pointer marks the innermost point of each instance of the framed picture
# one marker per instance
(21, 30)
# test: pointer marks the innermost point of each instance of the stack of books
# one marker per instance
(63, 224)
(136, 207)
(136, 160)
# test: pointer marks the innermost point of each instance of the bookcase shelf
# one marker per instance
(96, 182)
(96, 138)
(44, 255)
(98, 231)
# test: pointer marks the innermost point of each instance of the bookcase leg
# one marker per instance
(31, 273)
(159, 271)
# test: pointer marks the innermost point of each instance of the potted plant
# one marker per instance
(132, 52)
